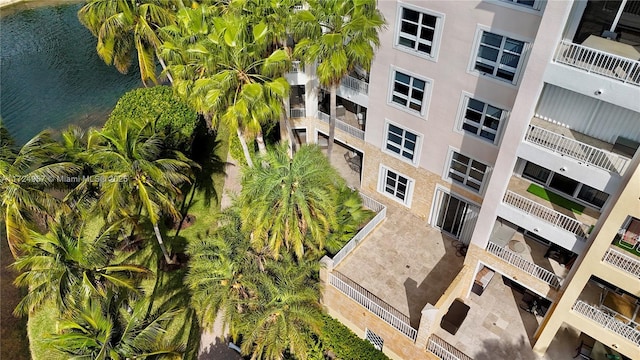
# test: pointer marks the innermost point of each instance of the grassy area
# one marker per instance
(555, 198)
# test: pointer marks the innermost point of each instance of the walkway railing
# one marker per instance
(607, 321)
(355, 84)
(381, 309)
(622, 261)
(353, 131)
(546, 214)
(366, 230)
(530, 268)
(598, 62)
(577, 150)
(298, 113)
(444, 350)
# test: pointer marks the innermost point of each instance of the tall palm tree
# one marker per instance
(224, 75)
(340, 35)
(98, 330)
(25, 175)
(290, 202)
(64, 265)
(285, 313)
(125, 26)
(135, 173)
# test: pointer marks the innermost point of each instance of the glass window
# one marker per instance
(563, 184)
(536, 172)
(395, 185)
(592, 196)
(499, 56)
(417, 31)
(401, 142)
(408, 91)
(467, 171)
(482, 119)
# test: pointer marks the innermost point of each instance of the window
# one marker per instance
(534, 4)
(374, 339)
(467, 171)
(395, 185)
(564, 185)
(482, 119)
(408, 91)
(418, 31)
(499, 56)
(402, 142)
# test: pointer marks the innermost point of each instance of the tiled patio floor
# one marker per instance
(405, 262)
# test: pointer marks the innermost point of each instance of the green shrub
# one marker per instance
(159, 102)
(235, 149)
(346, 345)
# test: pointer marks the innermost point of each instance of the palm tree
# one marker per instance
(64, 265)
(25, 175)
(123, 26)
(285, 313)
(224, 75)
(340, 34)
(134, 172)
(290, 202)
(102, 330)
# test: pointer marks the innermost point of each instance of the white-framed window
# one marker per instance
(395, 185)
(482, 119)
(467, 171)
(532, 4)
(401, 142)
(374, 339)
(499, 56)
(419, 31)
(409, 92)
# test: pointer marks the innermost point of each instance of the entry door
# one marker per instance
(455, 216)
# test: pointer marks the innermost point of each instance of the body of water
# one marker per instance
(50, 74)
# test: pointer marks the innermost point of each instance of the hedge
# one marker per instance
(158, 102)
(345, 344)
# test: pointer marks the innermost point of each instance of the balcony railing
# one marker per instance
(351, 130)
(577, 150)
(546, 214)
(381, 309)
(607, 321)
(355, 84)
(366, 230)
(444, 350)
(622, 261)
(298, 113)
(296, 67)
(598, 62)
(530, 268)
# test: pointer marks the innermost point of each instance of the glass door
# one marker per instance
(455, 216)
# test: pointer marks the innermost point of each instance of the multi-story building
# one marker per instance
(497, 142)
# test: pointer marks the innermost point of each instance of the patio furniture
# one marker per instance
(453, 319)
(353, 160)
(629, 237)
(483, 278)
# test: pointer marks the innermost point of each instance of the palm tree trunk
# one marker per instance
(167, 258)
(332, 119)
(245, 149)
(261, 147)
(164, 67)
(284, 123)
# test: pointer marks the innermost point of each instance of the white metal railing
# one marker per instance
(598, 62)
(577, 150)
(298, 113)
(444, 350)
(607, 321)
(296, 67)
(622, 261)
(355, 84)
(351, 130)
(530, 268)
(381, 309)
(366, 230)
(546, 214)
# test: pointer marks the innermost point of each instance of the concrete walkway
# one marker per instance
(214, 342)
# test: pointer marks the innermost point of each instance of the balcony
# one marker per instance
(628, 331)
(623, 260)
(591, 60)
(355, 84)
(577, 146)
(546, 214)
(444, 350)
(346, 122)
(514, 258)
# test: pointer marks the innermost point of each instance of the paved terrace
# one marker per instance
(405, 262)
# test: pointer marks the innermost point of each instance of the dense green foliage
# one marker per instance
(346, 345)
(172, 115)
